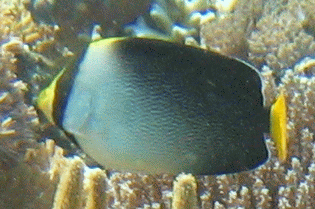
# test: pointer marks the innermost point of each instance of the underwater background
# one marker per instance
(39, 36)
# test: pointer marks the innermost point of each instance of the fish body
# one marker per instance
(151, 106)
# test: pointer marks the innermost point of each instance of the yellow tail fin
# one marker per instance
(278, 126)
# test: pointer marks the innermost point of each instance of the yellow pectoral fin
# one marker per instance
(45, 100)
(278, 126)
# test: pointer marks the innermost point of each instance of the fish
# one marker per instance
(153, 106)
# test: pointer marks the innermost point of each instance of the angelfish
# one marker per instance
(152, 106)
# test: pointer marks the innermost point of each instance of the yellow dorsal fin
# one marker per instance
(278, 127)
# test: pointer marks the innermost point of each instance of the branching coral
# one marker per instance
(95, 188)
(278, 37)
(271, 33)
(185, 192)
(173, 20)
(228, 33)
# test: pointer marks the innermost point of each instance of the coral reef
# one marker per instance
(228, 33)
(70, 187)
(96, 189)
(178, 21)
(79, 16)
(185, 192)
(278, 41)
(280, 37)
(271, 33)
(276, 36)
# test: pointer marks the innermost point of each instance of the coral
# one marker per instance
(28, 183)
(271, 33)
(70, 187)
(228, 32)
(185, 192)
(173, 20)
(280, 37)
(95, 187)
(18, 21)
(32, 46)
(17, 119)
(225, 5)
(79, 16)
(299, 89)
(276, 36)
